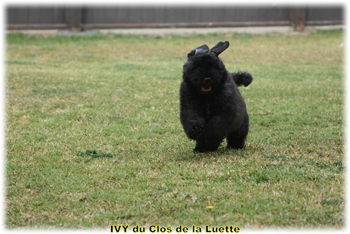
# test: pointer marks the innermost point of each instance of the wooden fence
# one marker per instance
(113, 16)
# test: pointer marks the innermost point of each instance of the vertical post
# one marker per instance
(74, 16)
(298, 18)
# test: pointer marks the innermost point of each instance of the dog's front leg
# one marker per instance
(213, 134)
(192, 123)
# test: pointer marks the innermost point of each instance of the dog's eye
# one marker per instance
(217, 67)
(193, 67)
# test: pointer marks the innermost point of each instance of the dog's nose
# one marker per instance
(207, 80)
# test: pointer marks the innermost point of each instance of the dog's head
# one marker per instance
(204, 71)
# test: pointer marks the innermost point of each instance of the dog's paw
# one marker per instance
(195, 130)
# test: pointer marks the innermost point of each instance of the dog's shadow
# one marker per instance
(190, 155)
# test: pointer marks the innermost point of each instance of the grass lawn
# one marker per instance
(93, 136)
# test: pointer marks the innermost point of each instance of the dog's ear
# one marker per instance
(220, 47)
(203, 49)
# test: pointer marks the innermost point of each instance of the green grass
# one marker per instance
(93, 136)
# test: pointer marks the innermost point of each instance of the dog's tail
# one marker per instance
(242, 78)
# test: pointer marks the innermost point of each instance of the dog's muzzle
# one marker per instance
(206, 86)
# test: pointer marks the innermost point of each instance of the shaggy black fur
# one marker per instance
(211, 107)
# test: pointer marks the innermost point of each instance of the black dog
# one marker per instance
(211, 107)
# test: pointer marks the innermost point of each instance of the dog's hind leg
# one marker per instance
(236, 139)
